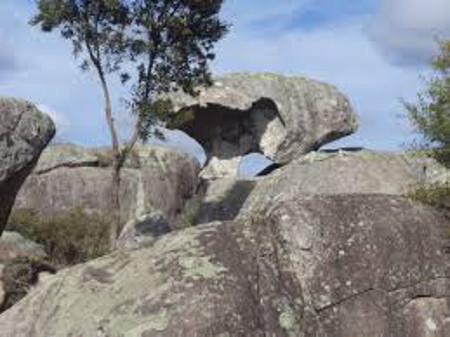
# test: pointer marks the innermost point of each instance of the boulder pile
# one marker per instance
(324, 246)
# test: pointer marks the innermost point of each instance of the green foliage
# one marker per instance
(437, 195)
(69, 238)
(95, 26)
(169, 44)
(431, 114)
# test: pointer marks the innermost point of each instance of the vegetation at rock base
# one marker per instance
(69, 237)
(437, 195)
(168, 45)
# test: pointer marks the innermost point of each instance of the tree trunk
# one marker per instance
(116, 155)
(115, 204)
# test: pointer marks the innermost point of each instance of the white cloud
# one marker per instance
(405, 30)
(338, 53)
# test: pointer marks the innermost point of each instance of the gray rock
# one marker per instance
(23, 244)
(279, 116)
(345, 172)
(65, 155)
(143, 231)
(156, 178)
(24, 133)
(223, 199)
(328, 266)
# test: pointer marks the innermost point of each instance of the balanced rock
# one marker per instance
(24, 133)
(328, 266)
(282, 117)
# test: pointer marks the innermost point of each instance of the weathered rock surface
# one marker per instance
(223, 199)
(143, 231)
(346, 172)
(328, 266)
(154, 178)
(279, 116)
(24, 133)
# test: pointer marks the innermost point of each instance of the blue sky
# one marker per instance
(373, 50)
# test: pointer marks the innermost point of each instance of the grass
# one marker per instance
(68, 238)
(437, 195)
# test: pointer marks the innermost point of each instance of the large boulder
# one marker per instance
(328, 266)
(352, 171)
(155, 178)
(24, 133)
(282, 117)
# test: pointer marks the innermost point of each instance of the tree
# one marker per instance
(168, 42)
(431, 114)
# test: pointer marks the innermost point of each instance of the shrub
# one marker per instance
(437, 195)
(430, 115)
(69, 237)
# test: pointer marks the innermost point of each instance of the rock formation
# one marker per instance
(154, 178)
(328, 266)
(24, 133)
(325, 245)
(279, 116)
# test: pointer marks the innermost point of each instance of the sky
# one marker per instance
(373, 50)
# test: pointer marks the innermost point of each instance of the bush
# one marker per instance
(69, 238)
(430, 115)
(437, 195)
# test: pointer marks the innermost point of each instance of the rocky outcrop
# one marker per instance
(66, 177)
(328, 266)
(24, 133)
(279, 116)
